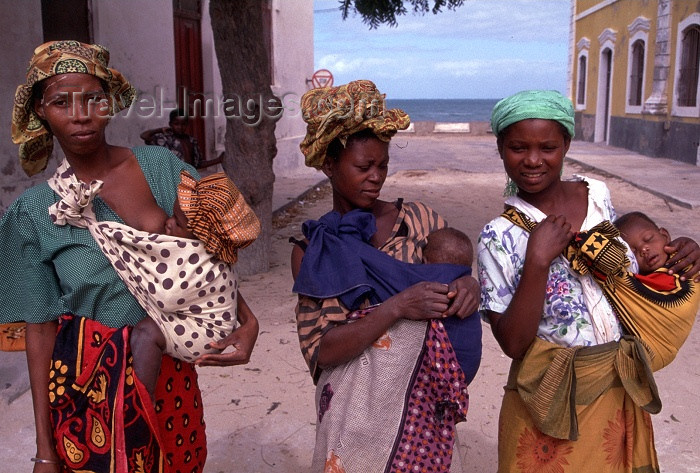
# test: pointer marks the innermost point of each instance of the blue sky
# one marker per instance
(484, 49)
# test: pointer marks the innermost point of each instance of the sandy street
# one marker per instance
(260, 417)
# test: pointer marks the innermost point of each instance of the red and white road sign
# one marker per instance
(322, 78)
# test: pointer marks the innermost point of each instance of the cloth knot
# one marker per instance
(75, 206)
(340, 262)
(598, 251)
(356, 224)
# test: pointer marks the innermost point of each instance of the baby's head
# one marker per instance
(646, 240)
(177, 224)
(213, 211)
(448, 245)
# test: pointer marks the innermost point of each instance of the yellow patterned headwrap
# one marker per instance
(338, 112)
(217, 214)
(50, 59)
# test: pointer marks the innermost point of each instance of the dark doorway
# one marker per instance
(188, 65)
(66, 19)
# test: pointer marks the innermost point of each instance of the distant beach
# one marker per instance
(445, 110)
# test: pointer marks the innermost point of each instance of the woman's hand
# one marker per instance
(422, 301)
(548, 240)
(465, 294)
(241, 339)
(687, 254)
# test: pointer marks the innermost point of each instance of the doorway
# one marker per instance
(187, 19)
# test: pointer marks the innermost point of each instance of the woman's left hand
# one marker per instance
(465, 295)
(241, 339)
(687, 255)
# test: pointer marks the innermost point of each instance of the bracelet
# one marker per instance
(43, 460)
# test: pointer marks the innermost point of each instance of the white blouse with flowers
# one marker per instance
(575, 311)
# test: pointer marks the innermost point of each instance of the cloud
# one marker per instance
(484, 49)
(500, 67)
(360, 66)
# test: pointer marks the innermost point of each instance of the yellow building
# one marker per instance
(634, 75)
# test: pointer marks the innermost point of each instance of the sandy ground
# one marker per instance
(260, 417)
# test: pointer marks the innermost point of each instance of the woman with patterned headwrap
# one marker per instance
(389, 387)
(580, 389)
(91, 411)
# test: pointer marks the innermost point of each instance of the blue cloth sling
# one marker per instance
(340, 262)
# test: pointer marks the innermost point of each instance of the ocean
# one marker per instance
(445, 110)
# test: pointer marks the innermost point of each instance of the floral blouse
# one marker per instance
(566, 315)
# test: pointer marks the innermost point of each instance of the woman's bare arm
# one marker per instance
(517, 327)
(41, 339)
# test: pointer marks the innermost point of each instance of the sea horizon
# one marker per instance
(445, 110)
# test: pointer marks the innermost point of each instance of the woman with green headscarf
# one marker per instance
(580, 389)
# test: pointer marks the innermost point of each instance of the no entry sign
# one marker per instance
(322, 78)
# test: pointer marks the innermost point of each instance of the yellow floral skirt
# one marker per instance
(615, 435)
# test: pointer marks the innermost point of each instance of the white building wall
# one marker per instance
(20, 29)
(215, 124)
(293, 49)
(139, 36)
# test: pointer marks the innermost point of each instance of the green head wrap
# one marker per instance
(544, 104)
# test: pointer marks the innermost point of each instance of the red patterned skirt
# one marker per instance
(102, 416)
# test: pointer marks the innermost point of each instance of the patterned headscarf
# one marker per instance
(217, 214)
(50, 59)
(544, 104)
(338, 112)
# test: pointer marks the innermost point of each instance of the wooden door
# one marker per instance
(188, 65)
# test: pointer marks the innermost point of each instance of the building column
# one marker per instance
(657, 103)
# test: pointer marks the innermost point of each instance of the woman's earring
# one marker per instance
(511, 189)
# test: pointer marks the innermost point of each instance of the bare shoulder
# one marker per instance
(297, 256)
(385, 211)
(576, 191)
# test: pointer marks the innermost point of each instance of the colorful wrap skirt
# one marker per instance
(581, 409)
(102, 416)
(393, 408)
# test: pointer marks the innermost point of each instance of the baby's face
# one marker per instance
(647, 243)
(177, 224)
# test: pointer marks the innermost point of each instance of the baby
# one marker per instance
(653, 305)
(449, 245)
(646, 240)
(188, 287)
(203, 307)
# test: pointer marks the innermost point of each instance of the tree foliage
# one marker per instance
(378, 12)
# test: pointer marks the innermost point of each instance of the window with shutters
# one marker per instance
(686, 94)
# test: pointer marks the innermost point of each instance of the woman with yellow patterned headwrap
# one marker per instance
(580, 388)
(389, 387)
(92, 413)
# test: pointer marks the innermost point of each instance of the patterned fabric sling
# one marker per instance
(658, 308)
(165, 274)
